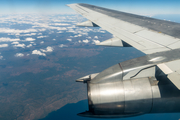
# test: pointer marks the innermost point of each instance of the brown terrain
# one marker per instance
(40, 86)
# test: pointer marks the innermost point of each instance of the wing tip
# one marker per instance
(69, 5)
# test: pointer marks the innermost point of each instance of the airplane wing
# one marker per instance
(146, 34)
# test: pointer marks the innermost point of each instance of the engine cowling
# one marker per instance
(128, 97)
(120, 91)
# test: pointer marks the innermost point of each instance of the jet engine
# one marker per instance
(129, 89)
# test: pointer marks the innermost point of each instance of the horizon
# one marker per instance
(150, 7)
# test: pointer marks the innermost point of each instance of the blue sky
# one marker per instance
(58, 6)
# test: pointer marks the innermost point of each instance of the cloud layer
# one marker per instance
(37, 52)
(37, 35)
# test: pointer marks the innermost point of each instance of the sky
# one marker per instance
(59, 6)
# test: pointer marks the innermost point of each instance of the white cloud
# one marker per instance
(51, 32)
(54, 39)
(86, 41)
(72, 31)
(102, 31)
(42, 42)
(3, 39)
(17, 34)
(60, 24)
(42, 29)
(29, 45)
(15, 43)
(85, 33)
(60, 32)
(96, 41)
(96, 37)
(45, 25)
(48, 49)
(33, 33)
(19, 55)
(37, 52)
(29, 34)
(69, 39)
(20, 45)
(89, 37)
(3, 45)
(16, 31)
(41, 36)
(59, 28)
(79, 41)
(29, 39)
(62, 45)
(1, 57)
(39, 33)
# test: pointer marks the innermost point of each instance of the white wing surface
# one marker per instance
(148, 35)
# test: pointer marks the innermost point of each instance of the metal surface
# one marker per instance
(106, 98)
(153, 94)
(138, 95)
(87, 24)
(130, 68)
(148, 84)
(148, 35)
(87, 78)
(114, 42)
(90, 114)
(173, 65)
(112, 74)
(152, 59)
(168, 96)
(134, 87)
(122, 97)
(150, 23)
(175, 78)
(165, 68)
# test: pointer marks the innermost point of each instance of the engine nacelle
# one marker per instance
(122, 91)
(128, 97)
